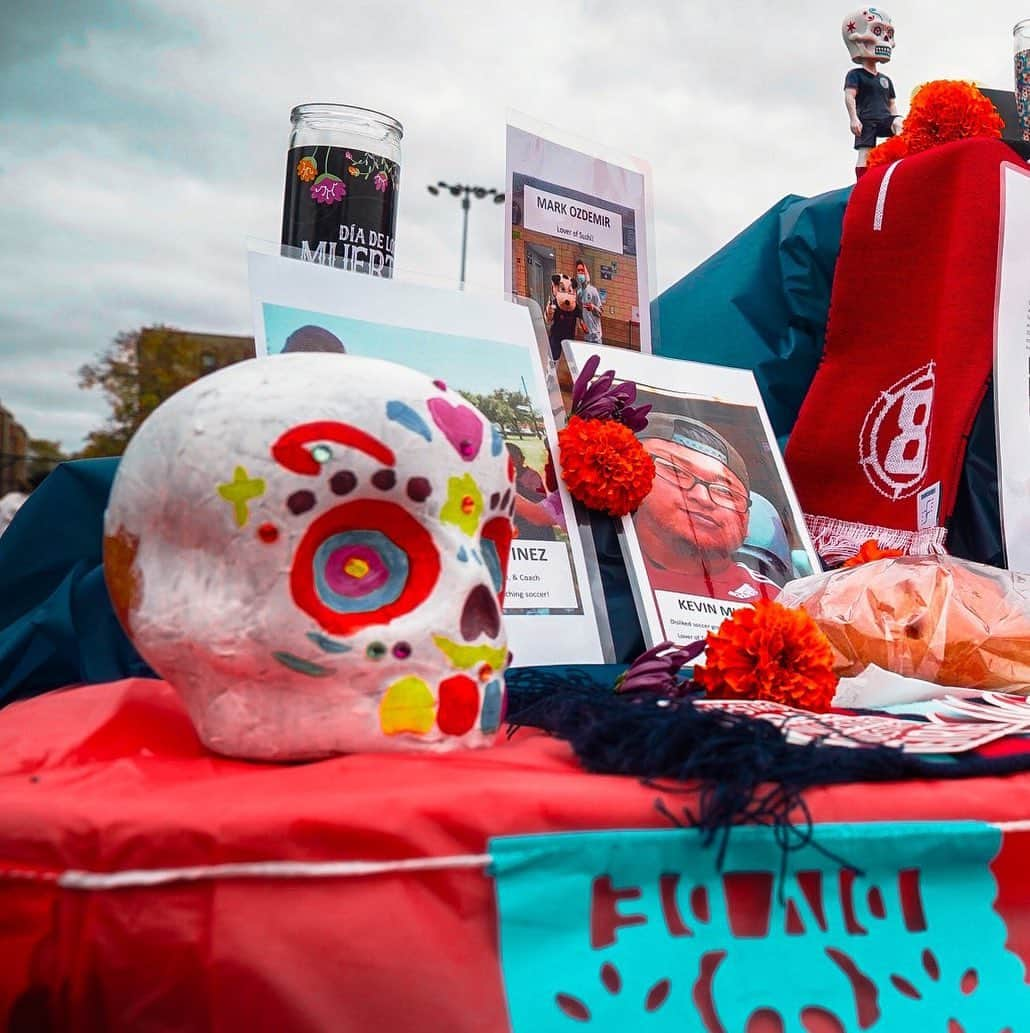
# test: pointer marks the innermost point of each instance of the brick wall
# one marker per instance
(622, 288)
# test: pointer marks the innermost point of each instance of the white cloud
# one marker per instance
(155, 142)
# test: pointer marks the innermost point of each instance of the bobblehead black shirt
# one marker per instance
(873, 94)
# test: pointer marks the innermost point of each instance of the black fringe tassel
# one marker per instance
(736, 769)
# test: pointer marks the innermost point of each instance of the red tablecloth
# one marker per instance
(111, 777)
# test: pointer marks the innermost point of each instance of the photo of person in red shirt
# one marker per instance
(695, 519)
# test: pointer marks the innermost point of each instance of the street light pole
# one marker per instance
(466, 204)
(466, 193)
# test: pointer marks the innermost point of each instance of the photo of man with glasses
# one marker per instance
(695, 518)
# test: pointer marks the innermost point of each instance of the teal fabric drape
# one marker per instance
(57, 626)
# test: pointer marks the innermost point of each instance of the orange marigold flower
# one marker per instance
(869, 551)
(307, 169)
(354, 170)
(604, 465)
(942, 111)
(947, 110)
(890, 150)
(769, 652)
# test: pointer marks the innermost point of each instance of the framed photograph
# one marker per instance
(1012, 366)
(721, 527)
(486, 348)
(575, 220)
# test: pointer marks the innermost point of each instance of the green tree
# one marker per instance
(141, 368)
(523, 412)
(510, 410)
(493, 408)
(116, 373)
(504, 415)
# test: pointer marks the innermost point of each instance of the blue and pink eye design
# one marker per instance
(363, 563)
(356, 569)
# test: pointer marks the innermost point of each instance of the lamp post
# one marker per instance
(466, 193)
(529, 408)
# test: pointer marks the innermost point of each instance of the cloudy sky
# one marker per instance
(143, 142)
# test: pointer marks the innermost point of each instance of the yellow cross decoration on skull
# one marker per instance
(241, 490)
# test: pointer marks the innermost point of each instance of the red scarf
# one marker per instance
(879, 442)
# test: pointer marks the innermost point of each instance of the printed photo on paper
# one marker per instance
(721, 527)
(1012, 365)
(486, 350)
(577, 243)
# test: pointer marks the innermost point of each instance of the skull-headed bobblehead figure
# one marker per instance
(868, 93)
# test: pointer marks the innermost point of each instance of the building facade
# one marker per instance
(168, 360)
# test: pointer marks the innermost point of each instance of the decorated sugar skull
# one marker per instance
(312, 549)
(563, 291)
(869, 35)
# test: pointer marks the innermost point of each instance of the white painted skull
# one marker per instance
(869, 33)
(311, 549)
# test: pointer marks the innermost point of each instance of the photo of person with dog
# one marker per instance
(591, 273)
(578, 221)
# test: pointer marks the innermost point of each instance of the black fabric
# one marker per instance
(744, 769)
(974, 530)
(627, 636)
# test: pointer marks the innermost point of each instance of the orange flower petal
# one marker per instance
(604, 465)
(769, 652)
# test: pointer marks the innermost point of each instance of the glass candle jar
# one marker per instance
(342, 177)
(1021, 44)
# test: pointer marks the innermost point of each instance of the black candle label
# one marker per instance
(340, 206)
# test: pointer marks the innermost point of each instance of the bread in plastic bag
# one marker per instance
(939, 618)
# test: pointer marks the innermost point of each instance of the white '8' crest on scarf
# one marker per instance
(894, 441)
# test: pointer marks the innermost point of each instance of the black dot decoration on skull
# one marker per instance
(419, 489)
(343, 483)
(300, 502)
(384, 480)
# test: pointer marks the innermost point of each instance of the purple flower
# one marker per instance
(348, 155)
(658, 669)
(380, 179)
(328, 189)
(604, 400)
